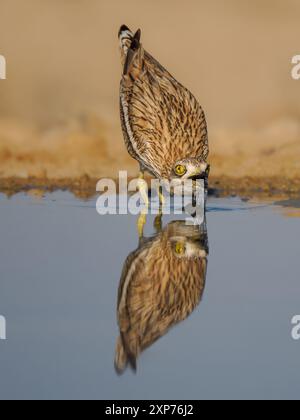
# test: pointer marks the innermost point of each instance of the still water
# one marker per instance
(217, 327)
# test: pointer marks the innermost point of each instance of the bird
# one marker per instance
(163, 124)
(162, 283)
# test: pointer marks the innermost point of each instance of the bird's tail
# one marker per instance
(132, 53)
(125, 38)
(124, 356)
(121, 359)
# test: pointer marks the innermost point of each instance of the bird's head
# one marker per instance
(190, 168)
(187, 241)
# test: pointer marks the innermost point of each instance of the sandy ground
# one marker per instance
(75, 155)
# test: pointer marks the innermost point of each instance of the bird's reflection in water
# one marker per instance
(161, 284)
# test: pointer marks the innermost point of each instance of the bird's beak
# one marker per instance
(197, 175)
(201, 173)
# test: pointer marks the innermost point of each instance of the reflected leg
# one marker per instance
(143, 189)
(158, 218)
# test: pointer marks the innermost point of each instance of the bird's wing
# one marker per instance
(133, 285)
(162, 119)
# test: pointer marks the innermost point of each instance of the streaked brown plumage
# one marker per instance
(161, 284)
(163, 124)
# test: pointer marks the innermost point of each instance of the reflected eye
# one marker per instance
(180, 170)
(179, 248)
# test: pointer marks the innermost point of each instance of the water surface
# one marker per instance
(60, 271)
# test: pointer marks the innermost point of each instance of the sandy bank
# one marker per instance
(74, 155)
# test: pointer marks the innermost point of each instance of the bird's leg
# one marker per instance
(143, 189)
(158, 218)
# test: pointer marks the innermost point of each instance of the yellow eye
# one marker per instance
(179, 248)
(180, 170)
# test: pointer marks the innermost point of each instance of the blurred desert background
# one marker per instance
(59, 110)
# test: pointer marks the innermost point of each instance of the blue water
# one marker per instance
(60, 268)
